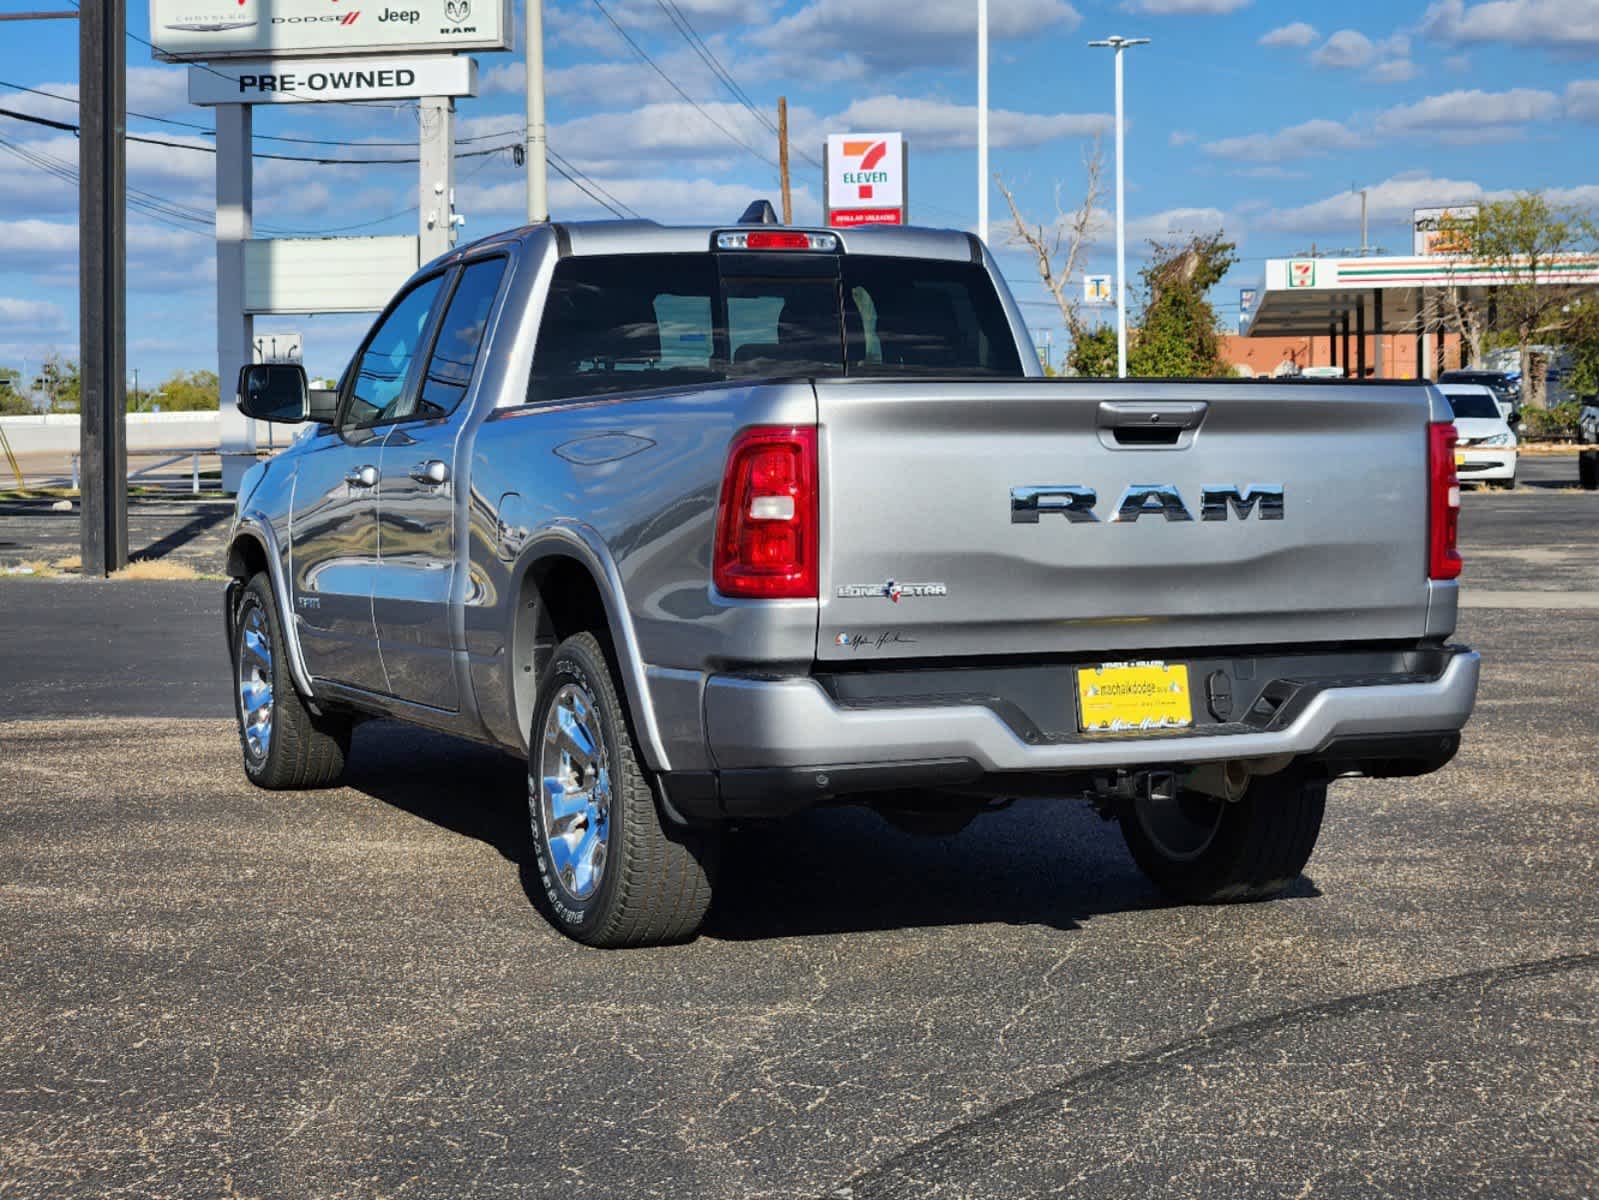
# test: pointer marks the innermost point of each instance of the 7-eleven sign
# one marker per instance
(865, 179)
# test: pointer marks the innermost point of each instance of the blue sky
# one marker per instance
(1251, 116)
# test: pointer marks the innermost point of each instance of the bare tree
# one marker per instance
(1058, 247)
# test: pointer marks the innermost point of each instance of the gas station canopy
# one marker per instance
(1314, 295)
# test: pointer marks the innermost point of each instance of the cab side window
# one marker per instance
(449, 368)
(381, 373)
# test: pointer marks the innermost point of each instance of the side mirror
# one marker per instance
(274, 392)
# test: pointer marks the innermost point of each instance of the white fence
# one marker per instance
(45, 433)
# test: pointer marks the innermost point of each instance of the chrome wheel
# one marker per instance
(1183, 827)
(255, 682)
(575, 790)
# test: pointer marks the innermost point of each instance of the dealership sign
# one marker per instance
(1436, 230)
(865, 179)
(291, 81)
(187, 30)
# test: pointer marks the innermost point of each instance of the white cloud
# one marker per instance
(1563, 26)
(31, 318)
(1184, 7)
(1294, 36)
(1307, 140)
(938, 124)
(1459, 63)
(1469, 110)
(655, 133)
(661, 199)
(1344, 50)
(1180, 137)
(1175, 223)
(1393, 70)
(880, 34)
(1582, 99)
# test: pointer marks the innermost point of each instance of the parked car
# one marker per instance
(1488, 448)
(1506, 389)
(1588, 437)
(716, 524)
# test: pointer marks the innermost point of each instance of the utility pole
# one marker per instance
(538, 171)
(102, 341)
(1363, 247)
(982, 120)
(782, 158)
(1118, 44)
(135, 389)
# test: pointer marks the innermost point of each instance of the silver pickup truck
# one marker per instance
(716, 524)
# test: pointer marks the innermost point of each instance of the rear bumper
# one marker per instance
(833, 740)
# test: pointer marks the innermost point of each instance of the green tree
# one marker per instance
(13, 400)
(188, 391)
(60, 384)
(1178, 334)
(1520, 240)
(1093, 352)
(1582, 340)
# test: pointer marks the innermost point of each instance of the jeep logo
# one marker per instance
(409, 17)
(1077, 503)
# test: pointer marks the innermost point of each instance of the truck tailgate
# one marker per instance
(923, 555)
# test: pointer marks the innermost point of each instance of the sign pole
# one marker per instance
(538, 177)
(982, 120)
(235, 327)
(102, 338)
(436, 176)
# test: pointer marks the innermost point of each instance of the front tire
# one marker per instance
(1201, 850)
(285, 744)
(610, 874)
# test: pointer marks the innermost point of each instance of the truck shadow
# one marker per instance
(837, 870)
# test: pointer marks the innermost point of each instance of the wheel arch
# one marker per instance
(251, 549)
(565, 582)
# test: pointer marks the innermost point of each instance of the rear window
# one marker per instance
(1472, 404)
(616, 323)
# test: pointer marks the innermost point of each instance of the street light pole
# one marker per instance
(982, 119)
(1118, 44)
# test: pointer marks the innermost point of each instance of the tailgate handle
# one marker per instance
(1149, 425)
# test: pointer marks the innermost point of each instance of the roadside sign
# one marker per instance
(1430, 234)
(1096, 289)
(864, 180)
(1301, 272)
(1246, 300)
(294, 81)
(190, 30)
(279, 348)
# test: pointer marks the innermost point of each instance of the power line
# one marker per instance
(708, 56)
(676, 87)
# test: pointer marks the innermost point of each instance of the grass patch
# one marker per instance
(157, 568)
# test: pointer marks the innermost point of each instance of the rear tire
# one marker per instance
(1588, 469)
(285, 744)
(610, 874)
(1200, 850)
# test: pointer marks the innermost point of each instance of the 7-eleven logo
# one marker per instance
(870, 154)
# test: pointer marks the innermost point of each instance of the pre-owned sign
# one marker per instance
(191, 30)
(865, 179)
(290, 81)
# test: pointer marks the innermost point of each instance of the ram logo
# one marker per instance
(1076, 503)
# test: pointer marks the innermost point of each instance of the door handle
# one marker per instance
(364, 477)
(434, 472)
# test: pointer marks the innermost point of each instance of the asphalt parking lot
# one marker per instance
(212, 991)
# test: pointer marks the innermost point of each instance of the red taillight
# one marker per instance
(1443, 502)
(778, 241)
(766, 525)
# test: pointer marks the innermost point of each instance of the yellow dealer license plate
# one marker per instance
(1125, 697)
